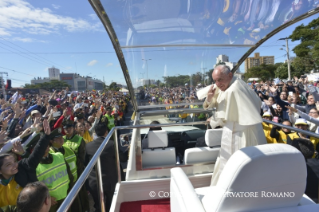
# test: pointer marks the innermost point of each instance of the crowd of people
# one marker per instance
(294, 103)
(47, 141)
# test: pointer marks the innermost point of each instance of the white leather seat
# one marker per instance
(207, 154)
(261, 172)
(158, 154)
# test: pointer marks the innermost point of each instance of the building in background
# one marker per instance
(257, 60)
(38, 80)
(54, 73)
(76, 82)
(81, 83)
(225, 59)
(147, 82)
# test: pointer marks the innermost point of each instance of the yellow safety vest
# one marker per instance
(70, 158)
(110, 123)
(55, 176)
(74, 143)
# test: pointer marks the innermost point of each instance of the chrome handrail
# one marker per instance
(168, 105)
(81, 180)
(96, 161)
(293, 128)
(96, 158)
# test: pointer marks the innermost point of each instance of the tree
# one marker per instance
(49, 86)
(263, 72)
(297, 68)
(113, 87)
(308, 49)
(175, 81)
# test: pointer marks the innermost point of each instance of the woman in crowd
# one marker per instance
(15, 175)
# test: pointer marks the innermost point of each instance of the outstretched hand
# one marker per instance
(17, 148)
(291, 109)
(46, 127)
(211, 93)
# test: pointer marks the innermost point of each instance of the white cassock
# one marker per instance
(238, 112)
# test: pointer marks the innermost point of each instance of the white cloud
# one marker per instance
(68, 68)
(93, 16)
(92, 63)
(4, 32)
(22, 16)
(27, 40)
(55, 6)
(109, 64)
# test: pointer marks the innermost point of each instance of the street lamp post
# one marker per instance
(147, 71)
(288, 60)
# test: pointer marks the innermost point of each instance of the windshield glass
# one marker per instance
(171, 46)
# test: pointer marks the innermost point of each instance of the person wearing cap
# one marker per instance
(56, 139)
(34, 114)
(55, 173)
(77, 144)
(110, 118)
(267, 128)
(303, 125)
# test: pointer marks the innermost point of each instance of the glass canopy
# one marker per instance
(170, 46)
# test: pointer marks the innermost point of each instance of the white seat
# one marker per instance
(158, 154)
(262, 173)
(207, 154)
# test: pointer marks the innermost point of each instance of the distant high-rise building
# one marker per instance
(257, 60)
(54, 73)
(225, 59)
(222, 58)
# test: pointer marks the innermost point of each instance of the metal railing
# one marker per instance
(170, 105)
(95, 161)
(293, 128)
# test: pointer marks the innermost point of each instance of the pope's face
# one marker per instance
(222, 80)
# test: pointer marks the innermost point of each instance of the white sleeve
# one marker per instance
(24, 145)
(8, 146)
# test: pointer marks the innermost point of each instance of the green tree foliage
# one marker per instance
(264, 72)
(113, 87)
(175, 81)
(49, 86)
(297, 68)
(282, 71)
(308, 49)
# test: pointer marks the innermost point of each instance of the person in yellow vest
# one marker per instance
(77, 144)
(281, 134)
(16, 175)
(55, 173)
(267, 128)
(302, 124)
(69, 156)
(110, 118)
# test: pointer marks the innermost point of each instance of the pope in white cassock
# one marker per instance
(237, 111)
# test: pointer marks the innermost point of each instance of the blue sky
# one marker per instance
(36, 35)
